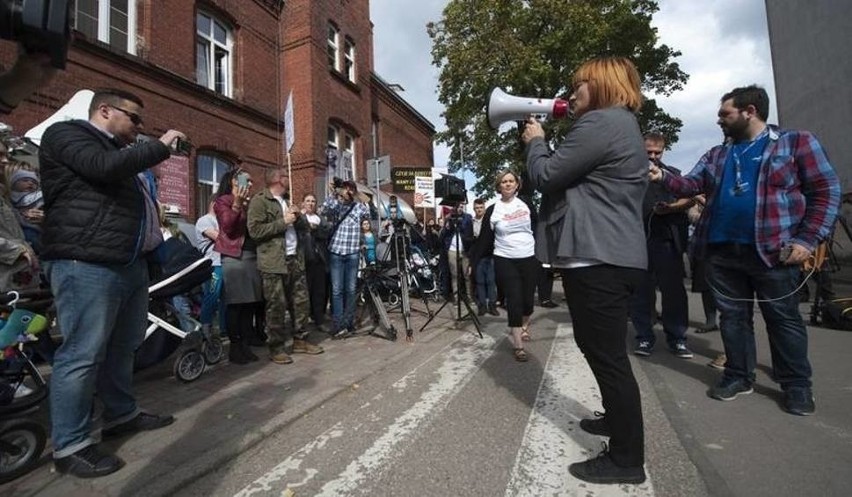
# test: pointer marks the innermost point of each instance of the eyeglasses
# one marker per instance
(135, 118)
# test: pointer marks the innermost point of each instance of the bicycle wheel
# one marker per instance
(21, 444)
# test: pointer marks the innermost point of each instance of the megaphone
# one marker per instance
(503, 107)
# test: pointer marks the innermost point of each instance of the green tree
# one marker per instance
(531, 48)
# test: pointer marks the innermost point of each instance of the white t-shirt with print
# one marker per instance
(512, 225)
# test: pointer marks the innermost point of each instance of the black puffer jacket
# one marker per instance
(94, 207)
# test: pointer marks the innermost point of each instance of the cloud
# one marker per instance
(724, 44)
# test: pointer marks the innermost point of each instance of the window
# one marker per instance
(349, 60)
(213, 47)
(340, 154)
(210, 169)
(109, 21)
(333, 47)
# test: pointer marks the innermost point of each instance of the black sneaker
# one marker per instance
(481, 311)
(492, 309)
(596, 425)
(729, 389)
(644, 348)
(602, 469)
(681, 350)
(549, 304)
(142, 422)
(799, 401)
(88, 462)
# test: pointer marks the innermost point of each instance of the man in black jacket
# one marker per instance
(666, 223)
(100, 223)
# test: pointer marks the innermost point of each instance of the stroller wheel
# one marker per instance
(21, 444)
(213, 350)
(189, 365)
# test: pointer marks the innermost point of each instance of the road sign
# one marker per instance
(384, 166)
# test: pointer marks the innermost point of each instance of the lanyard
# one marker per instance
(741, 186)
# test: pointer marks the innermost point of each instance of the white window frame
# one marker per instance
(212, 44)
(220, 166)
(333, 44)
(349, 59)
(104, 12)
(344, 143)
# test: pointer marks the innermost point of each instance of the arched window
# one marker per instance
(210, 169)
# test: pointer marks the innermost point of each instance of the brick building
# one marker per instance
(221, 71)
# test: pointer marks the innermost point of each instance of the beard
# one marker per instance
(737, 131)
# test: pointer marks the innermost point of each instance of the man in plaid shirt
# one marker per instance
(345, 212)
(772, 196)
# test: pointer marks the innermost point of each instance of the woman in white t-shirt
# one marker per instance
(507, 234)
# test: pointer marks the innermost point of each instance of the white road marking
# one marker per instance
(458, 368)
(568, 392)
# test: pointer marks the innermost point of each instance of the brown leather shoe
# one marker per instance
(281, 358)
(306, 347)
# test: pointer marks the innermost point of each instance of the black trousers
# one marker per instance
(598, 298)
(518, 278)
(317, 278)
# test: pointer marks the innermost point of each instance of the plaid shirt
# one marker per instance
(347, 238)
(798, 193)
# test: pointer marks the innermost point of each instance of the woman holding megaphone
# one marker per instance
(590, 225)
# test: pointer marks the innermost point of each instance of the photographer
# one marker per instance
(100, 225)
(345, 209)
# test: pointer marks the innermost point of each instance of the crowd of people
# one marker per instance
(613, 221)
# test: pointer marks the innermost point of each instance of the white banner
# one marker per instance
(289, 132)
(424, 191)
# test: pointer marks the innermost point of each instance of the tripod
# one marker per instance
(459, 300)
(399, 245)
(369, 293)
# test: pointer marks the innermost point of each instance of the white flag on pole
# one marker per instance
(289, 131)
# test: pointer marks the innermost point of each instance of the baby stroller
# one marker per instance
(423, 270)
(181, 269)
(22, 388)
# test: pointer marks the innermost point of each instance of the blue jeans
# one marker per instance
(665, 269)
(737, 272)
(344, 279)
(212, 302)
(486, 288)
(101, 311)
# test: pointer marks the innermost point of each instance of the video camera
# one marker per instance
(450, 189)
(40, 26)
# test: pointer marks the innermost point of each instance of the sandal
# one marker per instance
(525, 333)
(521, 355)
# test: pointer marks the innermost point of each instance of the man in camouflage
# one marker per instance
(273, 225)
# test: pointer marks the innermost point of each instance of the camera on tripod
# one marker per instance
(450, 189)
(40, 26)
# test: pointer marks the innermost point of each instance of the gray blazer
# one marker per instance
(592, 187)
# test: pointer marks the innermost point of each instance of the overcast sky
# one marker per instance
(724, 44)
